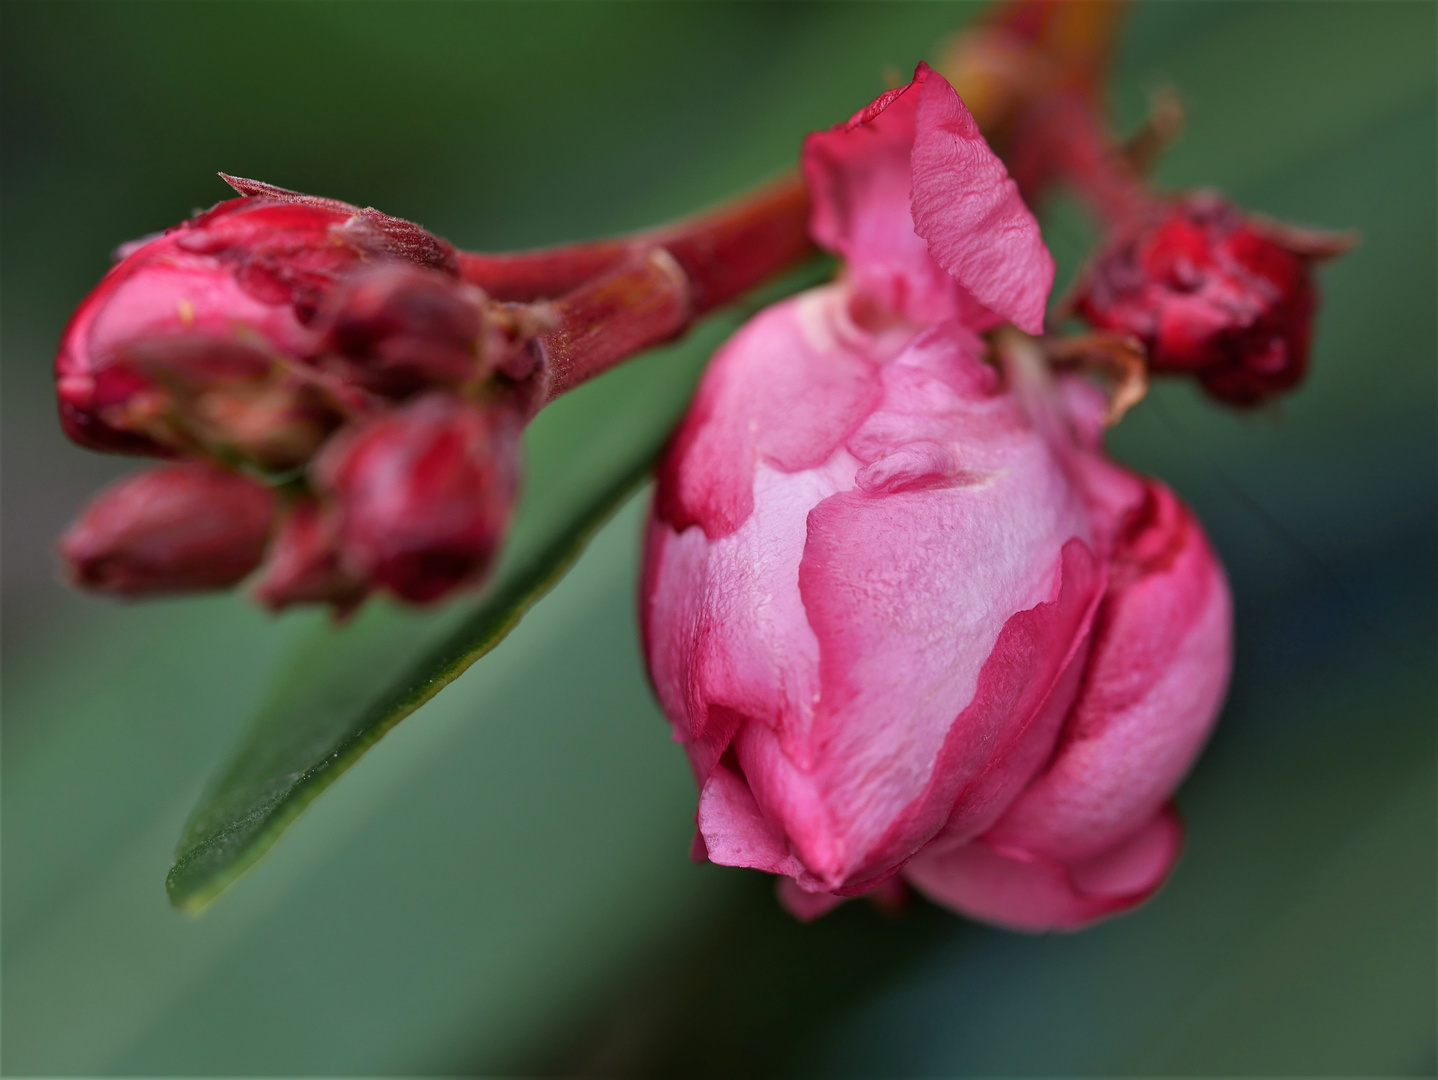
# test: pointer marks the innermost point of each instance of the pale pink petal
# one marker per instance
(786, 389)
(1031, 893)
(735, 832)
(1007, 731)
(1154, 687)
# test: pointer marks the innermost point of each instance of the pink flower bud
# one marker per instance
(176, 528)
(900, 611)
(1211, 292)
(252, 271)
(423, 493)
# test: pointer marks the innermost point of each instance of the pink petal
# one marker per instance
(859, 178)
(727, 636)
(1025, 892)
(909, 596)
(1160, 666)
(1007, 731)
(806, 906)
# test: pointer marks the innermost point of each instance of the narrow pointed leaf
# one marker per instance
(340, 689)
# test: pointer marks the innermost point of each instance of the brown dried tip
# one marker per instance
(1119, 358)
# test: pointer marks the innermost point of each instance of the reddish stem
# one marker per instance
(722, 253)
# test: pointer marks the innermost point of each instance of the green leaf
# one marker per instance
(341, 689)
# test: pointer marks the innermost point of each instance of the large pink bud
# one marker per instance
(901, 612)
(252, 272)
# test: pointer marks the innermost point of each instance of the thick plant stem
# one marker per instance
(722, 253)
(643, 301)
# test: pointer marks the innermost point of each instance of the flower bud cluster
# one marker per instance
(349, 406)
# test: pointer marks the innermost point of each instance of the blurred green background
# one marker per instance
(503, 886)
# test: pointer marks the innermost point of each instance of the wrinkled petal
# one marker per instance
(931, 225)
(1025, 892)
(971, 214)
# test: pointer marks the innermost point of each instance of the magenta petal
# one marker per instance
(859, 178)
(1160, 666)
(909, 193)
(970, 212)
(1025, 892)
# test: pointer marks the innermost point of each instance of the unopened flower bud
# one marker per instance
(304, 564)
(172, 529)
(902, 612)
(255, 270)
(424, 493)
(1212, 292)
(398, 329)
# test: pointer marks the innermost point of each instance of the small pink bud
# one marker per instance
(423, 493)
(1212, 292)
(304, 565)
(176, 528)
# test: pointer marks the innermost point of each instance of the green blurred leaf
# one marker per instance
(341, 689)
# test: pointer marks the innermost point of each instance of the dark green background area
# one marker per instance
(503, 884)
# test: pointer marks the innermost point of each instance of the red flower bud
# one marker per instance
(304, 565)
(1212, 292)
(254, 271)
(397, 330)
(177, 528)
(423, 493)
